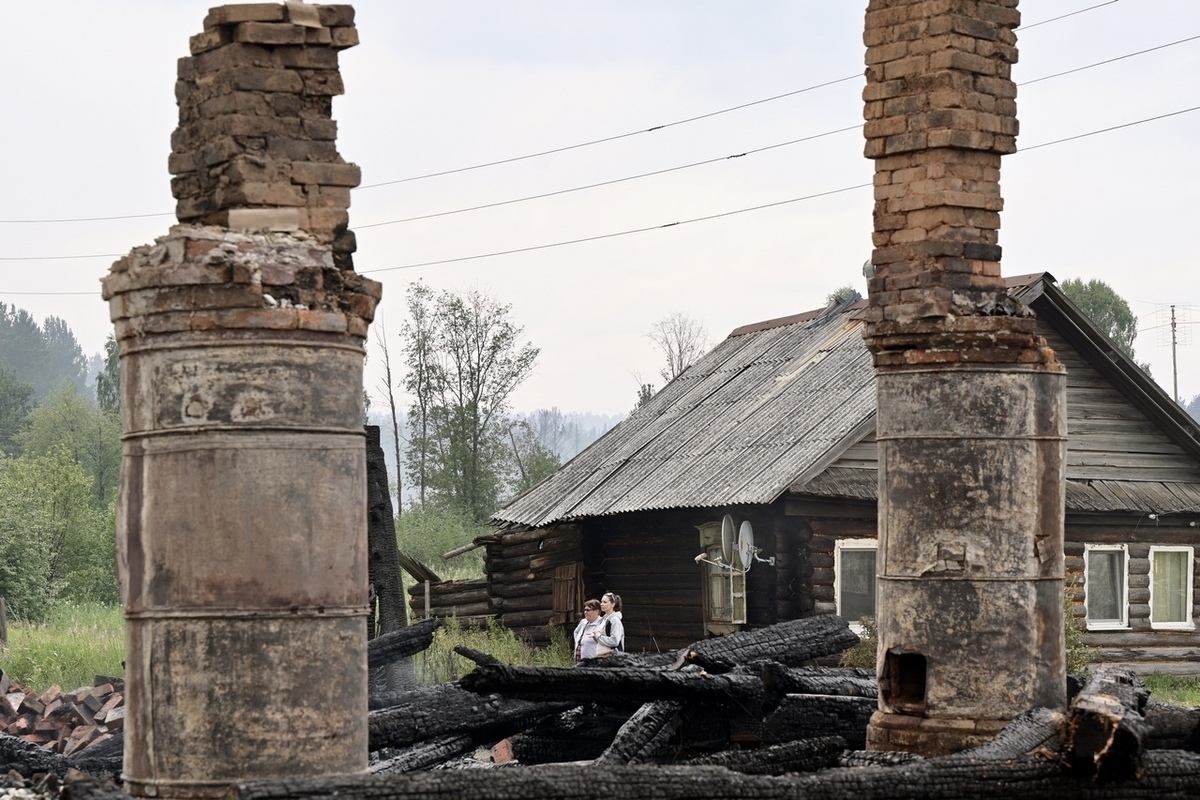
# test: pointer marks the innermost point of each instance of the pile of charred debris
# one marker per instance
(745, 715)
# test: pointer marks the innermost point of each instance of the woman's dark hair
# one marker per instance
(591, 605)
(615, 599)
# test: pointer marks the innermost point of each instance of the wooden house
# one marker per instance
(775, 427)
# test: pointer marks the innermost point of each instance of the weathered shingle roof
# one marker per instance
(765, 406)
(774, 405)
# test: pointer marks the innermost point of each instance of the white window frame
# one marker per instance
(1107, 624)
(850, 544)
(1190, 623)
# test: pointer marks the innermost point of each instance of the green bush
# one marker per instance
(1079, 655)
(425, 532)
(440, 664)
(74, 644)
(863, 653)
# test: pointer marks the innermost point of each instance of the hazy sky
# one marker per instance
(437, 86)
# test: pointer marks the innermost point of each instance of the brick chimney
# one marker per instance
(241, 521)
(971, 421)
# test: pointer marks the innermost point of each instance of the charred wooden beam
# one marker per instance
(1168, 773)
(803, 755)
(1173, 727)
(811, 716)
(791, 643)
(476, 656)
(427, 754)
(1037, 730)
(1105, 733)
(645, 735)
(578, 734)
(844, 682)
(612, 685)
(390, 647)
(447, 709)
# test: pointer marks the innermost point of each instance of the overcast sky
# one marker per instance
(437, 86)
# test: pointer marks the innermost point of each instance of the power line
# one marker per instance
(681, 222)
(1110, 60)
(609, 182)
(1064, 16)
(620, 233)
(574, 146)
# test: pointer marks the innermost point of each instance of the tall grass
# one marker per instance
(1180, 690)
(440, 664)
(75, 643)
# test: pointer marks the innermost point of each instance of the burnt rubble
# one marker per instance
(756, 722)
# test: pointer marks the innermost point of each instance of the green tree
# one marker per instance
(108, 380)
(45, 356)
(1193, 407)
(15, 405)
(645, 392)
(91, 436)
(534, 461)
(67, 363)
(842, 294)
(1107, 309)
(464, 358)
(53, 542)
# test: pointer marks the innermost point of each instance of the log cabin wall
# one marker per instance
(1138, 646)
(649, 559)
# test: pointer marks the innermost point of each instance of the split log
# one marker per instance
(447, 709)
(791, 643)
(1105, 733)
(426, 754)
(804, 755)
(1168, 773)
(612, 685)
(645, 735)
(400, 644)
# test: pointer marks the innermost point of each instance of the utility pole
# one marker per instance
(1174, 363)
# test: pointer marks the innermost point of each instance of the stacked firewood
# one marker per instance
(64, 722)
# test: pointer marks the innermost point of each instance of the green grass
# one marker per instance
(440, 664)
(76, 643)
(1180, 690)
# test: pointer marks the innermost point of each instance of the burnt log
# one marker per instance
(841, 681)
(438, 711)
(427, 754)
(811, 716)
(803, 755)
(1037, 730)
(579, 734)
(1172, 727)
(612, 685)
(406, 642)
(1168, 773)
(476, 656)
(1105, 732)
(876, 758)
(790, 643)
(645, 735)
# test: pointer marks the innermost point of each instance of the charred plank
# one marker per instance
(803, 755)
(437, 711)
(646, 734)
(427, 754)
(409, 641)
(791, 643)
(1105, 733)
(612, 685)
(578, 734)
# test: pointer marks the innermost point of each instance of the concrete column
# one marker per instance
(971, 420)
(241, 523)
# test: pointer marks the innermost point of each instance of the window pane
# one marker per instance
(1104, 583)
(1169, 571)
(856, 596)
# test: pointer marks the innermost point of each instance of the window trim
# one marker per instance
(1190, 623)
(851, 544)
(1107, 624)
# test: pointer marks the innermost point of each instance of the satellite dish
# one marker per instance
(727, 539)
(745, 544)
